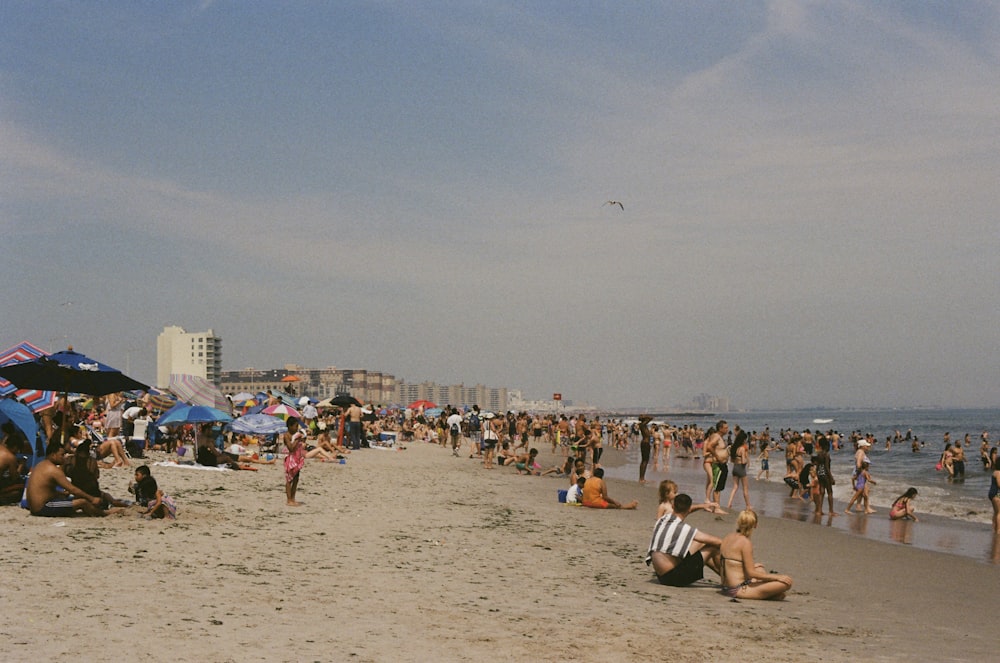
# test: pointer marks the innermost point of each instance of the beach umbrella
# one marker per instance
(258, 424)
(21, 417)
(196, 390)
(36, 399)
(162, 402)
(433, 412)
(416, 405)
(282, 411)
(340, 400)
(69, 371)
(242, 396)
(192, 414)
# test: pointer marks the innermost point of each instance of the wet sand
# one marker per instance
(416, 555)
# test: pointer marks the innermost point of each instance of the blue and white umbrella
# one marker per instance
(258, 424)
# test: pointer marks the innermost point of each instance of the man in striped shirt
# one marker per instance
(678, 552)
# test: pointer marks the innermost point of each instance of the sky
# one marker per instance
(810, 193)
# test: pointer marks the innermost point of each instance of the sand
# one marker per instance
(416, 555)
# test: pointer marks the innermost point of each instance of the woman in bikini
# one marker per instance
(741, 577)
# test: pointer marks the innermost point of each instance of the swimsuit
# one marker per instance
(720, 472)
(994, 489)
(732, 590)
(56, 509)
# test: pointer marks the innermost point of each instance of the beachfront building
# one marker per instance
(517, 403)
(317, 383)
(487, 398)
(187, 353)
(709, 403)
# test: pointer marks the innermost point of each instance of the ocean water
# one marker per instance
(897, 469)
(955, 515)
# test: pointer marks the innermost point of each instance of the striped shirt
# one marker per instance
(671, 536)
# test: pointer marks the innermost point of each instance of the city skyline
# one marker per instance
(807, 192)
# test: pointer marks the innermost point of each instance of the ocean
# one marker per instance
(959, 512)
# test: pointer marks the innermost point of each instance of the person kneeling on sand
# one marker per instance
(595, 494)
(741, 577)
(45, 500)
(678, 552)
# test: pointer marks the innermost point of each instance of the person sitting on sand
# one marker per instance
(575, 493)
(902, 508)
(525, 463)
(678, 552)
(741, 577)
(595, 494)
(85, 475)
(11, 481)
(112, 446)
(148, 495)
(46, 477)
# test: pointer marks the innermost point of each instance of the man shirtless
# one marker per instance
(716, 463)
(44, 500)
(354, 414)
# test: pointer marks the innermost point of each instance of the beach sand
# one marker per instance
(416, 555)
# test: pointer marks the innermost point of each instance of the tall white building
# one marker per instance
(197, 353)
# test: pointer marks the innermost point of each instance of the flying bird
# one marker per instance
(614, 202)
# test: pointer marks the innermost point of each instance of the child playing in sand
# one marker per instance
(575, 494)
(295, 442)
(861, 482)
(149, 495)
(902, 508)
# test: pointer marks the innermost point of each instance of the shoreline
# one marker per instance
(417, 555)
(935, 533)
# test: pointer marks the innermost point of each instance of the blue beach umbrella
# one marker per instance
(69, 371)
(21, 417)
(192, 414)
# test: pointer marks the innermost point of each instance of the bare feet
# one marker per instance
(870, 511)
(294, 503)
(631, 505)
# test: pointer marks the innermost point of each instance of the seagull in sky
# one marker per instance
(614, 202)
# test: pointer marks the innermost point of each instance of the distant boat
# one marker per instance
(822, 421)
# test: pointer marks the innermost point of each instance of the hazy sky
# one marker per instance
(811, 192)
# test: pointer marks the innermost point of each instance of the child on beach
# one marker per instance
(814, 489)
(575, 493)
(149, 495)
(861, 482)
(668, 491)
(765, 466)
(295, 442)
(902, 508)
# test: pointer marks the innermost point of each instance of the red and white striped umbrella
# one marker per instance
(36, 399)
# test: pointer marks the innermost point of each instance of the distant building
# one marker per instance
(492, 399)
(198, 353)
(318, 383)
(709, 403)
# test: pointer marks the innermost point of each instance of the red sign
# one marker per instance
(557, 397)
